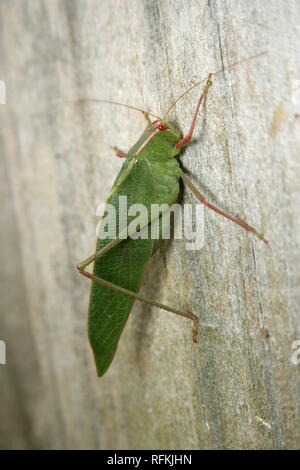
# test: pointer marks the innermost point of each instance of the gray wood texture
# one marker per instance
(238, 387)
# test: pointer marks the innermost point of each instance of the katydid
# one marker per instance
(150, 175)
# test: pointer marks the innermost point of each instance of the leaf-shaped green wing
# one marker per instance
(124, 265)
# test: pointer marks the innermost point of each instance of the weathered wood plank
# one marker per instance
(238, 387)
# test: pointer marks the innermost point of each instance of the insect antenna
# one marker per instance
(82, 100)
(233, 64)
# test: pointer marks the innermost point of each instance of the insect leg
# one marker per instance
(122, 154)
(124, 234)
(202, 199)
(183, 142)
(119, 153)
(81, 268)
(189, 315)
(147, 117)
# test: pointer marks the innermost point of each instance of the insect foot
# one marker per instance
(195, 330)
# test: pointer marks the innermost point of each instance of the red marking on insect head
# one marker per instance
(159, 125)
(162, 127)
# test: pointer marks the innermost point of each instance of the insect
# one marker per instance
(150, 174)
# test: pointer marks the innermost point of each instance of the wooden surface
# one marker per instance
(237, 388)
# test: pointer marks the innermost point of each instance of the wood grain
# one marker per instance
(237, 388)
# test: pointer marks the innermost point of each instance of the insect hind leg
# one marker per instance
(103, 282)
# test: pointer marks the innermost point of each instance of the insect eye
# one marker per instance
(159, 126)
(162, 127)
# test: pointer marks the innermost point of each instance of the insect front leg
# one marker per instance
(186, 140)
(119, 153)
(147, 117)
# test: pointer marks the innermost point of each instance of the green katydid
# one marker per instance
(150, 174)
